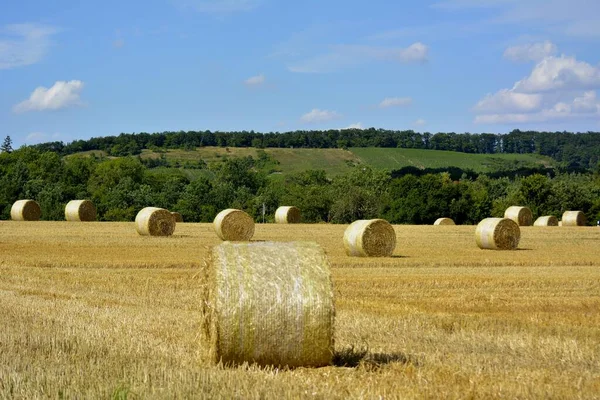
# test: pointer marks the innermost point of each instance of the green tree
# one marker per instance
(6, 145)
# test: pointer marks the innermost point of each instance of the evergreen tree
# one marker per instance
(7, 145)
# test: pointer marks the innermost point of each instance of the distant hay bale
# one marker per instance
(498, 234)
(268, 303)
(80, 210)
(153, 221)
(549, 220)
(573, 218)
(25, 210)
(521, 215)
(370, 238)
(234, 225)
(178, 217)
(287, 215)
(444, 221)
(559, 223)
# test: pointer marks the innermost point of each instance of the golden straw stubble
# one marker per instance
(288, 215)
(268, 303)
(573, 218)
(80, 210)
(25, 210)
(154, 221)
(547, 220)
(521, 215)
(234, 225)
(498, 234)
(370, 238)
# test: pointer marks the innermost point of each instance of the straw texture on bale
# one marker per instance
(548, 220)
(370, 238)
(498, 234)
(444, 221)
(153, 221)
(80, 210)
(234, 225)
(178, 217)
(521, 215)
(573, 218)
(268, 303)
(287, 215)
(25, 210)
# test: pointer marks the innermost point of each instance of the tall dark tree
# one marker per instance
(7, 145)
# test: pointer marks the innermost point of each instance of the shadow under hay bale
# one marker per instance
(80, 211)
(25, 210)
(498, 234)
(153, 221)
(288, 215)
(268, 303)
(370, 238)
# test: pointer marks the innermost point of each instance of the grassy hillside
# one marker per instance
(339, 161)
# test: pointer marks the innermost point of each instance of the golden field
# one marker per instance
(92, 310)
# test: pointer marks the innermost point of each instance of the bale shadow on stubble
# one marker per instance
(352, 357)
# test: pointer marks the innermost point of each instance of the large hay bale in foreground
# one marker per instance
(178, 217)
(444, 221)
(80, 210)
(370, 238)
(548, 220)
(234, 225)
(153, 221)
(287, 215)
(268, 303)
(521, 215)
(498, 234)
(25, 210)
(573, 218)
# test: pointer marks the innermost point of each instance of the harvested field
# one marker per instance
(115, 314)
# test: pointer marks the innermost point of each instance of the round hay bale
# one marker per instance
(444, 221)
(498, 234)
(234, 225)
(80, 210)
(370, 238)
(153, 221)
(25, 210)
(548, 220)
(559, 223)
(287, 215)
(268, 303)
(521, 215)
(573, 218)
(178, 217)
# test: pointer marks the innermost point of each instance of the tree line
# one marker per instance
(121, 187)
(576, 151)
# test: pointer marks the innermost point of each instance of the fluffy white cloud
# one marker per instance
(343, 56)
(357, 125)
(395, 102)
(24, 44)
(420, 122)
(62, 94)
(560, 73)
(317, 115)
(531, 51)
(509, 100)
(255, 80)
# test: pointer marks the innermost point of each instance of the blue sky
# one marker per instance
(74, 70)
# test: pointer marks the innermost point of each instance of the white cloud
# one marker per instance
(62, 94)
(560, 73)
(219, 6)
(257, 80)
(40, 137)
(420, 122)
(395, 102)
(509, 100)
(317, 115)
(357, 125)
(342, 56)
(531, 51)
(24, 44)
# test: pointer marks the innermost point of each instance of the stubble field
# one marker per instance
(92, 310)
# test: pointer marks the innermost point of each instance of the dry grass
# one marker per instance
(115, 314)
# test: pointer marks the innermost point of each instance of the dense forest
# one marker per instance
(575, 151)
(120, 187)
